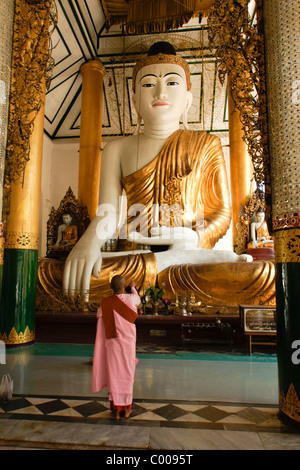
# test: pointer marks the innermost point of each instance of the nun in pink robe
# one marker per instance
(115, 349)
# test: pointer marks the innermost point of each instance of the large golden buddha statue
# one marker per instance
(177, 198)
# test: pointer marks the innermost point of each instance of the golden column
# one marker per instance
(241, 167)
(23, 161)
(282, 41)
(90, 135)
(23, 220)
(21, 247)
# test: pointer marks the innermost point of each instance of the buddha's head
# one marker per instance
(161, 86)
(260, 216)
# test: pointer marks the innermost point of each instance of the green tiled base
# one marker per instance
(17, 313)
(288, 331)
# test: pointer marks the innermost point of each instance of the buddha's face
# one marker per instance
(161, 93)
(260, 217)
(66, 219)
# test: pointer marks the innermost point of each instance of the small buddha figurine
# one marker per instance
(260, 237)
(67, 234)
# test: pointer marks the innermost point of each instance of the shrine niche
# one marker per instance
(253, 233)
(65, 226)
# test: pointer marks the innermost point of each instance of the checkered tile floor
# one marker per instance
(200, 415)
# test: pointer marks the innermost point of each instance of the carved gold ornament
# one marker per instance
(290, 403)
(287, 246)
(31, 64)
(68, 205)
(162, 59)
(14, 338)
(256, 202)
(22, 240)
(286, 220)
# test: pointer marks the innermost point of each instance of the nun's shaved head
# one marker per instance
(117, 283)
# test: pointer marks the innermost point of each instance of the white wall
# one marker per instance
(225, 243)
(45, 204)
(59, 171)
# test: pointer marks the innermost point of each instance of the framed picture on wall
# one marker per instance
(258, 318)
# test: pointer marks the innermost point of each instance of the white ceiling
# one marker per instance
(81, 35)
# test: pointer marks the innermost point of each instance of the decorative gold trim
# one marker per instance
(162, 59)
(31, 63)
(287, 246)
(93, 64)
(290, 404)
(23, 241)
(140, 17)
(286, 220)
(2, 242)
(15, 338)
(240, 48)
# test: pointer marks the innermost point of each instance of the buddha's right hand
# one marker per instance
(83, 261)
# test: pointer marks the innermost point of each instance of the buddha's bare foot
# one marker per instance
(247, 258)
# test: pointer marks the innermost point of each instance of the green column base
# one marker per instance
(1, 276)
(288, 337)
(17, 313)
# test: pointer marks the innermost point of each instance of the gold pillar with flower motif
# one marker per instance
(90, 135)
(241, 167)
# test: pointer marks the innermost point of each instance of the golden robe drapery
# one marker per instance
(188, 172)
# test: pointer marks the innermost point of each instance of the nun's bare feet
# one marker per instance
(127, 413)
(115, 414)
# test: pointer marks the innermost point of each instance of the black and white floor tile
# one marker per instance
(176, 414)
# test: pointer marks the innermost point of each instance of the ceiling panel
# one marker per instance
(81, 35)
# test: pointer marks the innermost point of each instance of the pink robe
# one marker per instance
(115, 358)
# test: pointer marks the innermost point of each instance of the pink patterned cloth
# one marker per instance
(115, 358)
